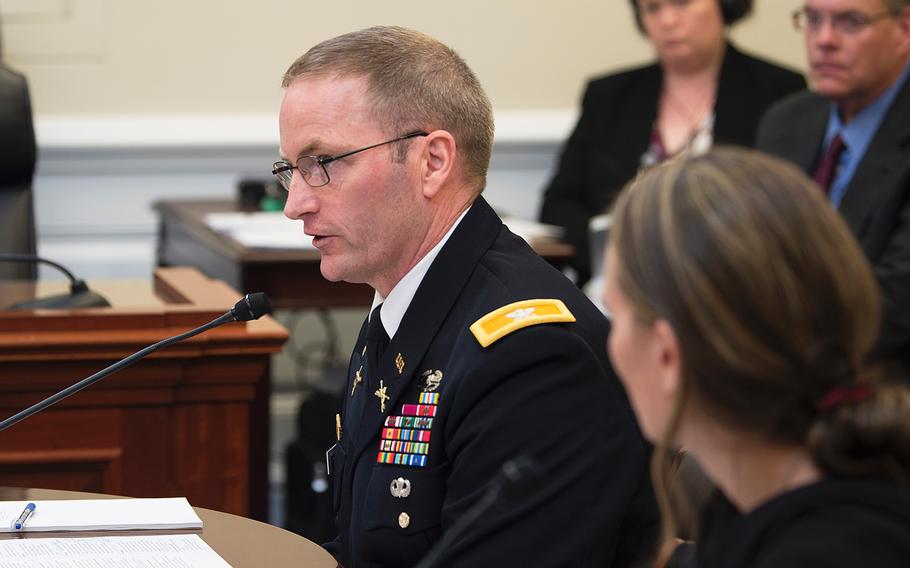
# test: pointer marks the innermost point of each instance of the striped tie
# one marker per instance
(826, 169)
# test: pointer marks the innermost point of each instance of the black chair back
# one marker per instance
(17, 167)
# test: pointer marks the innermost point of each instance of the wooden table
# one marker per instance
(243, 543)
(291, 278)
(191, 419)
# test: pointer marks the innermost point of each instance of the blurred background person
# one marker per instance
(850, 134)
(737, 338)
(700, 91)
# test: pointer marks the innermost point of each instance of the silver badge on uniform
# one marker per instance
(431, 380)
(400, 488)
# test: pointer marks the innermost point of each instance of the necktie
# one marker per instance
(827, 166)
(376, 341)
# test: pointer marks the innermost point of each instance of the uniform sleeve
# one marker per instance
(541, 392)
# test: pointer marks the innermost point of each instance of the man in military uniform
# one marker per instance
(476, 351)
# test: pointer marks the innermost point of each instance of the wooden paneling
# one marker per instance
(183, 421)
(76, 470)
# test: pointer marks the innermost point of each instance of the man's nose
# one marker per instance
(302, 199)
(825, 34)
(667, 16)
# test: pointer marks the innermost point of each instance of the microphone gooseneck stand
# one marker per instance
(252, 306)
(79, 295)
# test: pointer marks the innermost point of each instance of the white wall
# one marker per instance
(94, 200)
(190, 57)
(137, 101)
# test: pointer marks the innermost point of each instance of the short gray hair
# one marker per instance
(415, 82)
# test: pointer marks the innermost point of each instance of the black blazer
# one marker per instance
(546, 391)
(876, 205)
(614, 130)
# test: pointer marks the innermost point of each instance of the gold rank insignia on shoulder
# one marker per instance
(503, 321)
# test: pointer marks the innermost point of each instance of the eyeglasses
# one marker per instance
(312, 168)
(845, 23)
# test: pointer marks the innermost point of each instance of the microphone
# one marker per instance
(250, 307)
(79, 297)
(518, 477)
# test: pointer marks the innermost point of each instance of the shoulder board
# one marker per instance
(505, 320)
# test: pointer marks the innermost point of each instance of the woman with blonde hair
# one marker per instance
(743, 314)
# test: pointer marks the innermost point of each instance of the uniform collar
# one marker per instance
(399, 299)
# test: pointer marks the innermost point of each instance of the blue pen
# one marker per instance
(26, 513)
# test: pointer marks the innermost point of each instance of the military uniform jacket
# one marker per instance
(456, 411)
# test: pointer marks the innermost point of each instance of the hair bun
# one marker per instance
(864, 432)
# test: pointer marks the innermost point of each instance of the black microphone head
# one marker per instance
(251, 307)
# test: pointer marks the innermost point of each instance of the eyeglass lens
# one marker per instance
(849, 23)
(313, 172)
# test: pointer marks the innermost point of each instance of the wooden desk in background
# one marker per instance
(243, 543)
(189, 420)
(291, 278)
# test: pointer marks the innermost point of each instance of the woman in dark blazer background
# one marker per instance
(701, 91)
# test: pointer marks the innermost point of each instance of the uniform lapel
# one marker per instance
(885, 163)
(428, 310)
(353, 406)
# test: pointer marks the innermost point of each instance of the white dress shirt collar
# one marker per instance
(399, 299)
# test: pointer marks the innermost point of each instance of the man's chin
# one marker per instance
(334, 273)
(829, 88)
(331, 275)
(329, 271)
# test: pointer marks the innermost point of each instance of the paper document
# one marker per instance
(101, 515)
(158, 551)
(261, 229)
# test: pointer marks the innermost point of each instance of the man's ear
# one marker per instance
(669, 358)
(437, 162)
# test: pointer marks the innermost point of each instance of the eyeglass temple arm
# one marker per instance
(330, 159)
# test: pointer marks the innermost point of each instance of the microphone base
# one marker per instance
(83, 299)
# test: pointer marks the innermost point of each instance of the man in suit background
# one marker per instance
(476, 351)
(852, 134)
